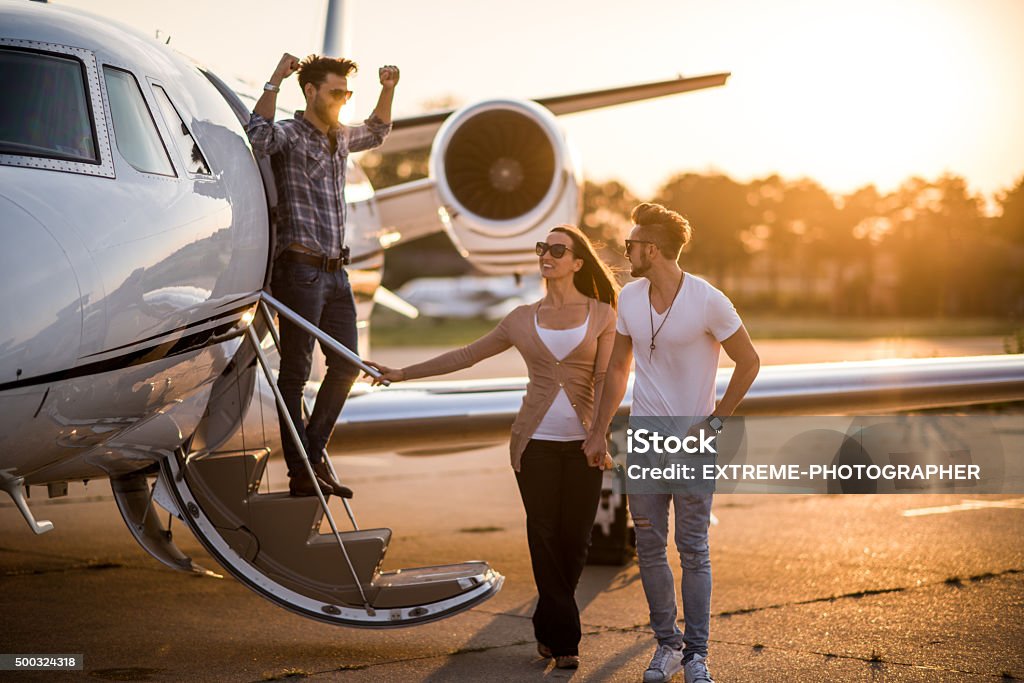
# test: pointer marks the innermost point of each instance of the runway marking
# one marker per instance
(1009, 503)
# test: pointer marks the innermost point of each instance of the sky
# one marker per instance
(848, 93)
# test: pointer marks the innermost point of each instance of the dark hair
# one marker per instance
(314, 69)
(594, 279)
(666, 228)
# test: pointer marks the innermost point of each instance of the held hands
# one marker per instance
(386, 373)
(288, 65)
(388, 76)
(596, 450)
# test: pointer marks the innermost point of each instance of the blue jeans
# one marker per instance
(325, 299)
(692, 516)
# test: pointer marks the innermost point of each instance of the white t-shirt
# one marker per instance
(679, 378)
(561, 423)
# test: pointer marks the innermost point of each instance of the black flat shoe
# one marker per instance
(323, 473)
(567, 662)
(302, 486)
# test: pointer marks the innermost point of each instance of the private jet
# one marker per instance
(136, 338)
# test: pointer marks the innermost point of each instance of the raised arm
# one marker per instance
(267, 103)
(373, 131)
(389, 76)
(266, 138)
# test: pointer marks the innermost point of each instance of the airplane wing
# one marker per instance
(415, 132)
(457, 415)
(501, 172)
(412, 208)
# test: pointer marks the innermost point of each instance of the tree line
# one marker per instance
(930, 248)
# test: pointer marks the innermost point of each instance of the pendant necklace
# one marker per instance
(654, 332)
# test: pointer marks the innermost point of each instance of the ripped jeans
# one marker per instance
(692, 516)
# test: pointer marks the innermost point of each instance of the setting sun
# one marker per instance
(848, 94)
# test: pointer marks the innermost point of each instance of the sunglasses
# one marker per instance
(557, 250)
(340, 94)
(630, 243)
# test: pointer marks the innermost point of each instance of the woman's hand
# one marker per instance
(596, 450)
(386, 373)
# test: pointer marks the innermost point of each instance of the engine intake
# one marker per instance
(499, 164)
(505, 175)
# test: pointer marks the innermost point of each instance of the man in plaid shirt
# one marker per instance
(308, 154)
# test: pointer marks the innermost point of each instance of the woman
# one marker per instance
(566, 340)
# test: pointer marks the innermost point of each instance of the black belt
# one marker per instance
(322, 262)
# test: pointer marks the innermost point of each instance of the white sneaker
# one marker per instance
(665, 664)
(696, 671)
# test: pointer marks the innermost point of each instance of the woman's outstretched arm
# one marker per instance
(491, 344)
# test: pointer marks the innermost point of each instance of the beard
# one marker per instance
(640, 268)
(322, 109)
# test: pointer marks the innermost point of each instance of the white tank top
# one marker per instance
(561, 423)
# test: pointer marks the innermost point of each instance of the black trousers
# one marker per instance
(560, 492)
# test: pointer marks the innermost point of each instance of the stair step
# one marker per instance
(424, 585)
(272, 542)
(224, 481)
(291, 547)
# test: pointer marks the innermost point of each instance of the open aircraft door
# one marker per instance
(271, 541)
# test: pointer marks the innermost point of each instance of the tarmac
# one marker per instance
(806, 588)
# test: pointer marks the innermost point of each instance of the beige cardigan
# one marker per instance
(581, 373)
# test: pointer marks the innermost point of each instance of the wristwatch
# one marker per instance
(716, 423)
(270, 87)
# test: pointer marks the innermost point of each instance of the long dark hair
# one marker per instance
(594, 279)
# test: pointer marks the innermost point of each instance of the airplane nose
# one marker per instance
(41, 306)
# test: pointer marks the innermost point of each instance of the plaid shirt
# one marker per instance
(310, 180)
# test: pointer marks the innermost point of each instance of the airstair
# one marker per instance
(272, 542)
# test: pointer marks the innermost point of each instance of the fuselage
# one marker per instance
(128, 248)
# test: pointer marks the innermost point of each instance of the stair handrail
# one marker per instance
(293, 432)
(321, 336)
(265, 310)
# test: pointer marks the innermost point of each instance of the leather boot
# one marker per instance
(323, 474)
(301, 485)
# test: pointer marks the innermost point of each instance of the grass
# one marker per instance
(391, 330)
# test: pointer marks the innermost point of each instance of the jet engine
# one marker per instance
(505, 174)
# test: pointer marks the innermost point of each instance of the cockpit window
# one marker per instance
(44, 109)
(134, 130)
(194, 161)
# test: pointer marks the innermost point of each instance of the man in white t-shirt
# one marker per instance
(674, 324)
